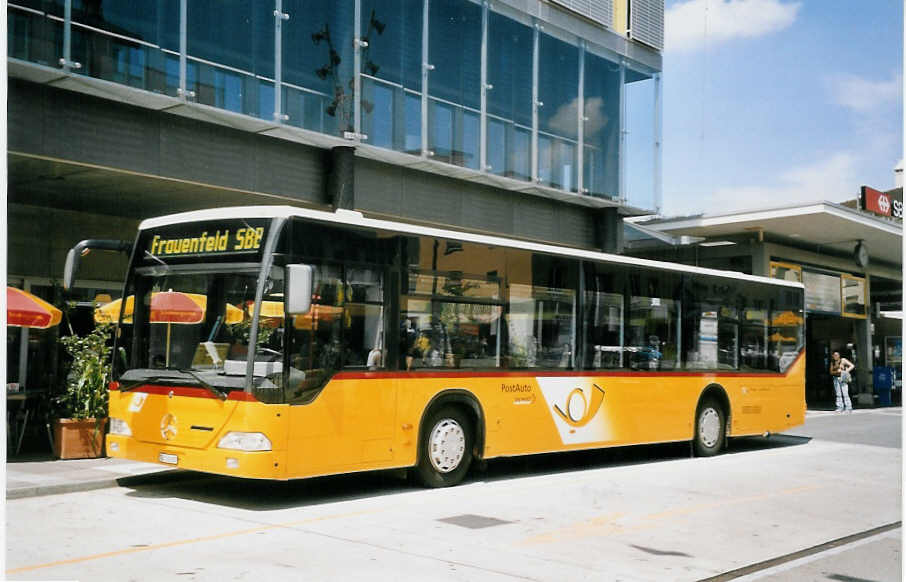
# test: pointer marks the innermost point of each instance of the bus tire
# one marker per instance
(446, 447)
(710, 428)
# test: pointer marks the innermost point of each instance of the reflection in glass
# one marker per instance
(653, 333)
(318, 64)
(558, 119)
(124, 42)
(455, 51)
(391, 73)
(450, 320)
(601, 127)
(509, 98)
(230, 44)
(541, 324)
(640, 140)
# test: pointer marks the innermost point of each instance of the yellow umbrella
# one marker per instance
(786, 318)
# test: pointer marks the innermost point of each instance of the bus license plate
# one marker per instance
(167, 458)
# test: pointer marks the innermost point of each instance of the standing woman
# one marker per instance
(840, 369)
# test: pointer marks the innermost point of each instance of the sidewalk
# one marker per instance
(47, 476)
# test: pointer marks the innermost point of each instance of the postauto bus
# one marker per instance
(279, 343)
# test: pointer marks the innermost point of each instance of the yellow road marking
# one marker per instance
(125, 551)
(607, 525)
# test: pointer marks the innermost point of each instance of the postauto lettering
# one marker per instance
(245, 239)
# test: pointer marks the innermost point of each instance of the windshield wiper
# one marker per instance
(174, 379)
(203, 382)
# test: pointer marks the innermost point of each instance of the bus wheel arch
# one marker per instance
(449, 415)
(711, 423)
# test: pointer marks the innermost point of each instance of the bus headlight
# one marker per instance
(119, 426)
(245, 441)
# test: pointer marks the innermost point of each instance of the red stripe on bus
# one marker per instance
(192, 391)
(241, 396)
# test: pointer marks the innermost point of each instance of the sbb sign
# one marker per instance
(883, 203)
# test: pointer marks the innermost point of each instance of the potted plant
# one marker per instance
(82, 408)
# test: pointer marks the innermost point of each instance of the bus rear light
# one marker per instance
(113, 385)
(118, 426)
(245, 441)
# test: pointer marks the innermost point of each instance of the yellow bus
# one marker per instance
(282, 343)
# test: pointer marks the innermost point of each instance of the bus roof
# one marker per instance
(357, 219)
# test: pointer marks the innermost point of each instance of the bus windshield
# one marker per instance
(191, 325)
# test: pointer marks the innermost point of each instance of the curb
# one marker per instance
(158, 478)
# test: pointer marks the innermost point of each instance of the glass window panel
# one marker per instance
(604, 320)
(441, 131)
(853, 291)
(393, 31)
(558, 119)
(753, 332)
(541, 325)
(509, 99)
(712, 324)
(468, 141)
(391, 67)
(509, 70)
(785, 338)
(602, 126)
(318, 63)
(105, 41)
(413, 113)
(640, 153)
(653, 333)
(541, 318)
(34, 37)
(237, 41)
(377, 112)
(653, 337)
(455, 51)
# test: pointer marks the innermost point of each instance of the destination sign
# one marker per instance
(244, 239)
(203, 239)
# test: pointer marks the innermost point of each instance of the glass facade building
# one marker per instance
(478, 85)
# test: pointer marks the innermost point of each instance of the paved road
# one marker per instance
(643, 513)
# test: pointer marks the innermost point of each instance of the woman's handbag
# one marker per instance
(846, 377)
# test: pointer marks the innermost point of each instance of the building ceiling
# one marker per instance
(56, 184)
(824, 227)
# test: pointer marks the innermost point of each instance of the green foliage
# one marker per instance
(242, 331)
(89, 373)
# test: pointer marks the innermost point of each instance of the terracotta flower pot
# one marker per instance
(79, 439)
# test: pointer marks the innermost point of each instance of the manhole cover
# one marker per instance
(473, 521)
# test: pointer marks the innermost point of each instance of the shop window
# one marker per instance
(852, 290)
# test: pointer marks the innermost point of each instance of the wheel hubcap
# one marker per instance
(446, 445)
(709, 427)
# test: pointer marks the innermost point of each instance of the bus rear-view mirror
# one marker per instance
(298, 289)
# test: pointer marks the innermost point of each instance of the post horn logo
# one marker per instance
(168, 428)
(579, 411)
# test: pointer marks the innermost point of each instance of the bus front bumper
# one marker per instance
(252, 465)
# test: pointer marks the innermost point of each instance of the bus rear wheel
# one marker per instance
(446, 448)
(710, 428)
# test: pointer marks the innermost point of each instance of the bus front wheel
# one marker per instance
(710, 428)
(446, 448)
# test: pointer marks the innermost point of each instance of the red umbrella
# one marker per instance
(25, 310)
(175, 307)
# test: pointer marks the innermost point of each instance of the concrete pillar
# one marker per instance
(608, 224)
(864, 350)
(341, 178)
